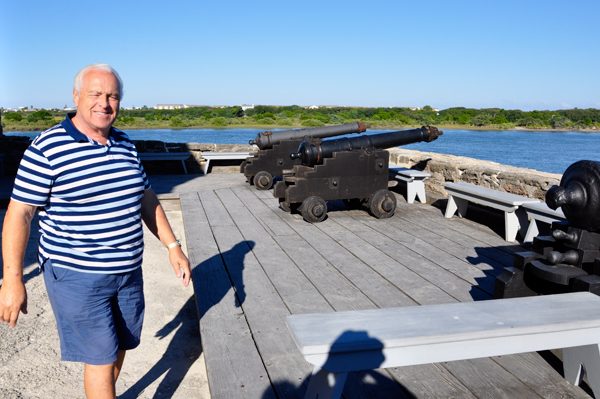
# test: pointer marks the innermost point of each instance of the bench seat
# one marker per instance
(166, 156)
(209, 156)
(339, 342)
(540, 212)
(414, 179)
(515, 218)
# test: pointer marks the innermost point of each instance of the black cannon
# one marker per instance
(354, 170)
(274, 150)
(569, 259)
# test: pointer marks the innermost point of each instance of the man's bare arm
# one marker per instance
(15, 234)
(155, 219)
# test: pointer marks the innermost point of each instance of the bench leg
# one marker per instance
(416, 189)
(579, 359)
(456, 204)
(205, 167)
(184, 168)
(532, 231)
(325, 385)
(515, 222)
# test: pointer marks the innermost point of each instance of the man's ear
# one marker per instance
(75, 98)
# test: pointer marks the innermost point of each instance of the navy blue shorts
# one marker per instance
(96, 314)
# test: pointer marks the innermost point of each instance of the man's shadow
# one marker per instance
(178, 358)
(369, 383)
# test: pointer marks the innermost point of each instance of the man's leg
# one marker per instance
(99, 381)
(119, 364)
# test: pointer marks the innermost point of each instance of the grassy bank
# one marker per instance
(125, 123)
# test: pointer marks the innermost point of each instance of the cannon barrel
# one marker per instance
(311, 155)
(268, 139)
(578, 195)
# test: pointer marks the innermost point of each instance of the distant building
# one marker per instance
(169, 106)
(246, 106)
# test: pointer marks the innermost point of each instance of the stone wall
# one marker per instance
(443, 168)
(450, 168)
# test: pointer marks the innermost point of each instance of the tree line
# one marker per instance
(295, 115)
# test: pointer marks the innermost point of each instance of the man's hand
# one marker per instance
(13, 299)
(15, 234)
(181, 264)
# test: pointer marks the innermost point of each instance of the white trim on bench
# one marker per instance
(540, 212)
(208, 156)
(515, 218)
(166, 156)
(414, 179)
(339, 342)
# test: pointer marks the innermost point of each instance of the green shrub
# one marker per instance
(176, 121)
(149, 117)
(13, 116)
(219, 121)
(312, 123)
(284, 122)
(267, 121)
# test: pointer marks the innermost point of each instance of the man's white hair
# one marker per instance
(98, 66)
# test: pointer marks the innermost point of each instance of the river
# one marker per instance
(544, 151)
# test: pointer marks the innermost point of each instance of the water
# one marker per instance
(544, 151)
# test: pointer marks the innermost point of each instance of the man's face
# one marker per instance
(97, 102)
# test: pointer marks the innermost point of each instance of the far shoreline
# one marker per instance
(271, 127)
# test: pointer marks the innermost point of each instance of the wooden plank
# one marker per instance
(379, 290)
(412, 284)
(428, 270)
(273, 225)
(447, 228)
(487, 380)
(539, 376)
(416, 379)
(359, 389)
(299, 295)
(234, 366)
(457, 267)
(467, 228)
(265, 312)
(467, 254)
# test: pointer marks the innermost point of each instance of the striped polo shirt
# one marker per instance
(89, 198)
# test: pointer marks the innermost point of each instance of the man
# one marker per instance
(92, 192)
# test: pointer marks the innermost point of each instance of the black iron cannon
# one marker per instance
(275, 147)
(569, 259)
(355, 170)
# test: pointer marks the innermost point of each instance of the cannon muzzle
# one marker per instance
(578, 195)
(315, 154)
(268, 139)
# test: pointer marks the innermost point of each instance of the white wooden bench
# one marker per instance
(166, 156)
(209, 156)
(515, 218)
(540, 212)
(339, 342)
(414, 179)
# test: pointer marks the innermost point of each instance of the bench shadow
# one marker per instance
(369, 383)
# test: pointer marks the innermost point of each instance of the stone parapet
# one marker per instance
(449, 168)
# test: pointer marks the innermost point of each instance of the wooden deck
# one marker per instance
(254, 264)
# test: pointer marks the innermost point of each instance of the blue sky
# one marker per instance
(510, 54)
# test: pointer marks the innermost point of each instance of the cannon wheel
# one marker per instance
(263, 180)
(354, 203)
(243, 166)
(382, 204)
(314, 209)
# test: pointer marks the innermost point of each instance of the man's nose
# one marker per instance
(103, 101)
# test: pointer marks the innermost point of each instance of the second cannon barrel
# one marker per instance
(311, 155)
